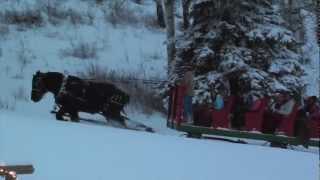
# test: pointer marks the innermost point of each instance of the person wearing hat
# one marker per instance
(281, 105)
(221, 93)
(312, 108)
(187, 82)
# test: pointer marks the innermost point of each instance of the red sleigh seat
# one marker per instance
(255, 116)
(220, 118)
(287, 123)
(202, 116)
(314, 127)
(172, 106)
(176, 108)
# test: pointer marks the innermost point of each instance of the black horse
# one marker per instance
(73, 95)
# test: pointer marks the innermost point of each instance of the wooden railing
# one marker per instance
(10, 172)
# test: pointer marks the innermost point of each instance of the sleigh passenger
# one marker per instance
(187, 82)
(281, 105)
(312, 108)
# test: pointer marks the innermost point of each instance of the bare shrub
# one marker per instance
(118, 13)
(145, 96)
(155, 56)
(93, 71)
(80, 18)
(142, 95)
(20, 94)
(26, 17)
(24, 57)
(54, 12)
(137, 1)
(58, 14)
(150, 21)
(99, 1)
(6, 105)
(82, 50)
(4, 31)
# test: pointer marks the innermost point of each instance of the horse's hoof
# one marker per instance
(61, 119)
(75, 120)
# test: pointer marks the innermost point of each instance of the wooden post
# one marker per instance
(10, 172)
(185, 8)
(160, 14)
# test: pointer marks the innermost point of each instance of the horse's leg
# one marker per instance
(122, 121)
(105, 112)
(116, 115)
(60, 113)
(114, 112)
(73, 112)
(74, 116)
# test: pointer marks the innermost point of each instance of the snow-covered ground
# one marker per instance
(64, 150)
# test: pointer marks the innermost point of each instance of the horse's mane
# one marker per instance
(53, 81)
(53, 74)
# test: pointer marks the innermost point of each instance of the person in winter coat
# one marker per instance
(312, 107)
(282, 105)
(239, 108)
(218, 102)
(187, 82)
(253, 102)
(218, 96)
(310, 111)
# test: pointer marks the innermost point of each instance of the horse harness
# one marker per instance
(114, 99)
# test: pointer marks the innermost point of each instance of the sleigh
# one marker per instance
(220, 125)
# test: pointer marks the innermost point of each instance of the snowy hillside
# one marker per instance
(76, 44)
(77, 36)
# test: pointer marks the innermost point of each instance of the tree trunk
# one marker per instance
(160, 14)
(290, 14)
(318, 20)
(170, 24)
(185, 8)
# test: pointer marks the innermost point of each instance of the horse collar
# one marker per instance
(62, 89)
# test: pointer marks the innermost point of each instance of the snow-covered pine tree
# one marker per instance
(243, 40)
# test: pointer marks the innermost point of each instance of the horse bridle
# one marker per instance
(38, 90)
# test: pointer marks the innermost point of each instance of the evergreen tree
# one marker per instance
(244, 40)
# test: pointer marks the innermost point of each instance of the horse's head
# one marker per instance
(38, 86)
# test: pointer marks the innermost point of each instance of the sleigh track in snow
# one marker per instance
(134, 125)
